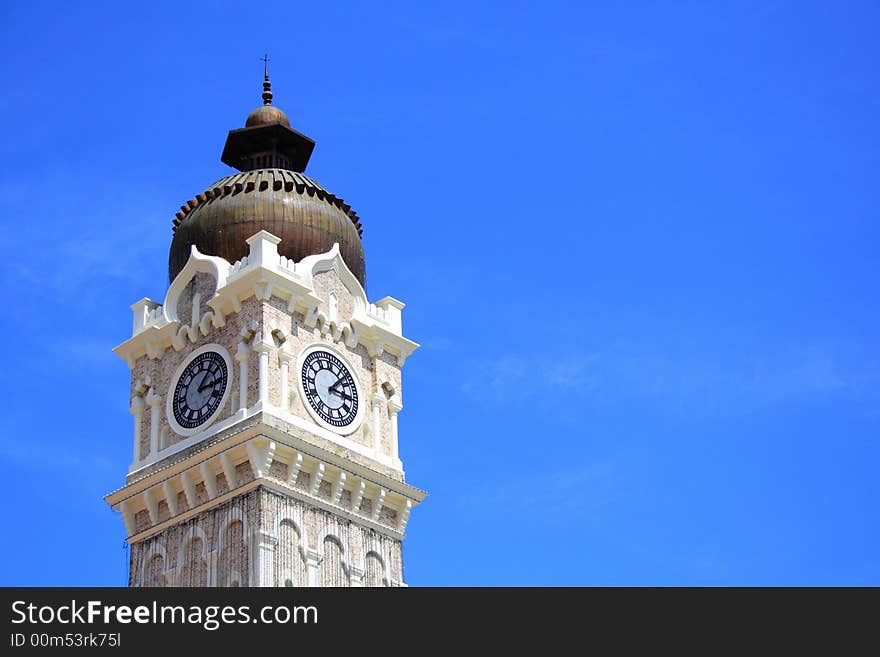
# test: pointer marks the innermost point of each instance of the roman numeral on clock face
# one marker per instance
(200, 390)
(330, 388)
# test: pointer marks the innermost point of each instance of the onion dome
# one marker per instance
(266, 115)
(270, 193)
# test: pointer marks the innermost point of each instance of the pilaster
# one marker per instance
(137, 410)
(376, 402)
(154, 401)
(285, 356)
(356, 577)
(313, 560)
(394, 407)
(264, 562)
(262, 347)
(241, 355)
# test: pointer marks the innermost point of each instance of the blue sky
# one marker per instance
(637, 241)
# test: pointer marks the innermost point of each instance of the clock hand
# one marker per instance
(206, 385)
(342, 394)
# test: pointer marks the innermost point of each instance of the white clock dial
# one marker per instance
(201, 386)
(200, 389)
(330, 388)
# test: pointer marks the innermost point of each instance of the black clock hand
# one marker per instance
(206, 385)
(342, 394)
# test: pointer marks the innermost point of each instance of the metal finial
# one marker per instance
(267, 86)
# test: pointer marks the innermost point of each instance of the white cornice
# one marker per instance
(264, 413)
(260, 446)
(262, 424)
(263, 273)
(216, 267)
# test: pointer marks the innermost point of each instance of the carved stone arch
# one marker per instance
(194, 531)
(153, 574)
(153, 551)
(233, 553)
(290, 556)
(193, 569)
(294, 516)
(216, 267)
(229, 516)
(370, 544)
(374, 545)
(332, 260)
(376, 572)
(334, 568)
(225, 528)
(335, 533)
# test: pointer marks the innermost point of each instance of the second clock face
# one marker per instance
(330, 388)
(200, 389)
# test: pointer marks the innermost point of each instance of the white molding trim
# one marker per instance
(285, 441)
(145, 494)
(284, 415)
(263, 273)
(197, 262)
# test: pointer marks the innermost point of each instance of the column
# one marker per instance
(356, 576)
(284, 358)
(394, 408)
(242, 357)
(377, 401)
(262, 348)
(312, 563)
(211, 561)
(264, 563)
(137, 409)
(154, 401)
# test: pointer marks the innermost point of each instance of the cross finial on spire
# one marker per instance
(267, 86)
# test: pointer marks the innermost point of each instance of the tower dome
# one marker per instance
(266, 114)
(270, 193)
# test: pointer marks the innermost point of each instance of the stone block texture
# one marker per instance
(308, 546)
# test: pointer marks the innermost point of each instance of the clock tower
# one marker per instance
(265, 388)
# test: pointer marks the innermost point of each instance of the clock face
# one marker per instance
(330, 388)
(200, 389)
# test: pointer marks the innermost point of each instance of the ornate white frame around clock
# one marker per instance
(362, 401)
(169, 411)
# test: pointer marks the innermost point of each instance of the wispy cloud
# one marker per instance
(54, 457)
(591, 496)
(75, 260)
(438, 343)
(719, 382)
(562, 494)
